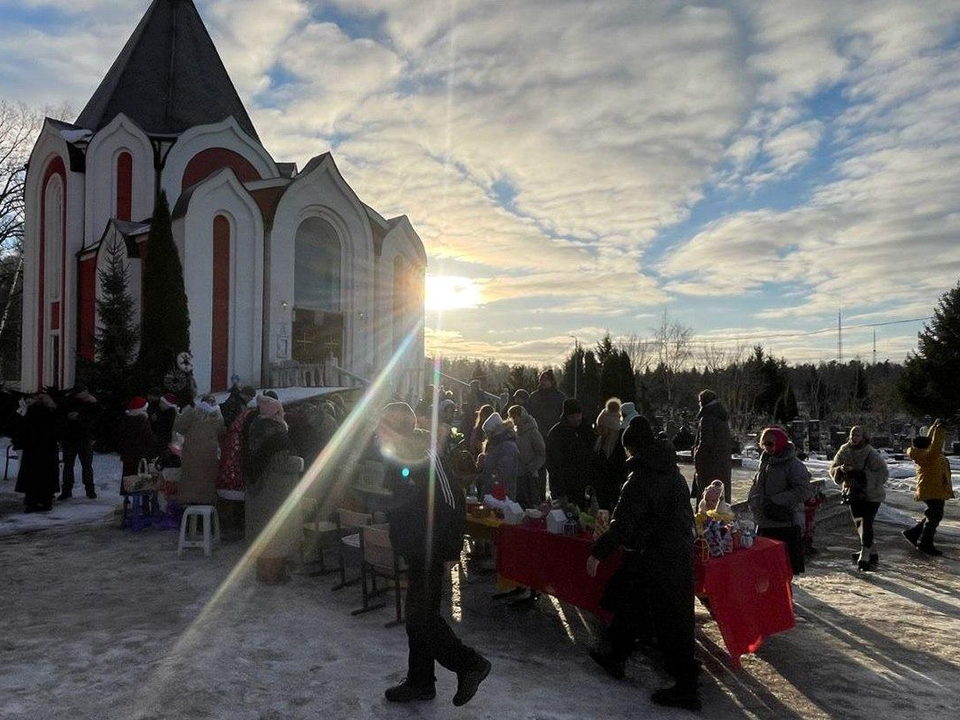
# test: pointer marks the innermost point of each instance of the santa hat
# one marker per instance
(169, 401)
(493, 424)
(137, 406)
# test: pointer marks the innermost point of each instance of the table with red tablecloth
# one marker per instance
(554, 564)
(748, 593)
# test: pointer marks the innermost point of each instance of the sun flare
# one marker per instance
(446, 292)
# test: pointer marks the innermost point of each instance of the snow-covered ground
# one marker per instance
(76, 511)
(101, 623)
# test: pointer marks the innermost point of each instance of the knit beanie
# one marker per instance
(270, 408)
(571, 406)
(779, 437)
(638, 434)
(628, 411)
(400, 417)
(921, 442)
(493, 424)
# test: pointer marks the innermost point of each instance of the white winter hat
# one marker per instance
(493, 424)
(628, 411)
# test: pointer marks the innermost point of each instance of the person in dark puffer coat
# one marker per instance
(570, 454)
(713, 446)
(653, 522)
(35, 437)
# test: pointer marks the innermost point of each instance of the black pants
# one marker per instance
(931, 519)
(429, 636)
(864, 513)
(793, 538)
(71, 451)
(667, 614)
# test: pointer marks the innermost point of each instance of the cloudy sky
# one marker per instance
(581, 166)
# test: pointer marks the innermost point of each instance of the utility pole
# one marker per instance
(576, 363)
(840, 337)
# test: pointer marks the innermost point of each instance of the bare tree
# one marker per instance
(19, 126)
(640, 351)
(674, 350)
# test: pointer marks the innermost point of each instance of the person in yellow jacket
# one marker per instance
(933, 487)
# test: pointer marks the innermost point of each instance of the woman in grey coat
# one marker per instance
(533, 456)
(861, 471)
(502, 457)
(781, 485)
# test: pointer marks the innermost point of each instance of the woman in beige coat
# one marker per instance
(201, 427)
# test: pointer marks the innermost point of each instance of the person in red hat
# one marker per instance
(137, 441)
(779, 489)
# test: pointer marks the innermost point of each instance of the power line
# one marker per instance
(784, 336)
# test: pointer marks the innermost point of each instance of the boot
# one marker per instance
(913, 534)
(408, 692)
(863, 562)
(468, 682)
(926, 547)
(613, 667)
(686, 697)
(91, 493)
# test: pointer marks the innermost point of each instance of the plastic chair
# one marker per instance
(189, 533)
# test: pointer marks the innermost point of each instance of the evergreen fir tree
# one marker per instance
(605, 349)
(590, 386)
(115, 344)
(165, 321)
(929, 384)
(628, 379)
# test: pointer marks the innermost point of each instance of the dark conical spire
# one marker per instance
(168, 77)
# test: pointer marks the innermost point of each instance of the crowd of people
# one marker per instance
(246, 454)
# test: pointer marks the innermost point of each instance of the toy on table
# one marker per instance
(713, 503)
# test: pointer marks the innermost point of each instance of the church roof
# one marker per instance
(168, 78)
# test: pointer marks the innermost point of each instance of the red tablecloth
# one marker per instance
(555, 565)
(749, 594)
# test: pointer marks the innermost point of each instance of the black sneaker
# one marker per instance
(469, 682)
(65, 495)
(614, 668)
(408, 692)
(91, 493)
(678, 697)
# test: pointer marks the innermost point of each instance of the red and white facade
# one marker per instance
(279, 265)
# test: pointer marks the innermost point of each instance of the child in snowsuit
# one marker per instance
(933, 487)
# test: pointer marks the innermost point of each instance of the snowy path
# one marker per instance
(99, 623)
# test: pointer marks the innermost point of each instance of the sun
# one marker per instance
(446, 292)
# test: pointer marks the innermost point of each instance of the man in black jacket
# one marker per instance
(78, 414)
(570, 454)
(653, 522)
(426, 496)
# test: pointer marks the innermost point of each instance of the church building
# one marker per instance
(282, 265)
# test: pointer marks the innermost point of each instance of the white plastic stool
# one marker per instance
(189, 532)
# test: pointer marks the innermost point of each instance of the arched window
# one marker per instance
(124, 185)
(318, 310)
(220, 336)
(53, 238)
